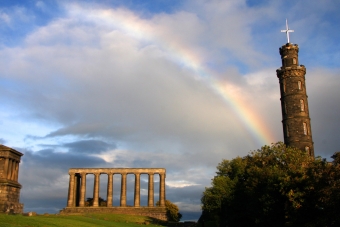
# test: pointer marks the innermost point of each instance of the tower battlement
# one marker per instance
(289, 55)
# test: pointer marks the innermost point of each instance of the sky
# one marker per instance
(175, 84)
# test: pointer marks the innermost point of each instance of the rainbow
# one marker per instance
(143, 30)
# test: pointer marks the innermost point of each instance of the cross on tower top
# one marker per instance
(287, 30)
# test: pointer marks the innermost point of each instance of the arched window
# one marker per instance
(307, 150)
(302, 105)
(294, 61)
(305, 131)
(299, 85)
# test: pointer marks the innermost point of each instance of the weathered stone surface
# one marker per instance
(9, 186)
(154, 212)
(77, 191)
(294, 104)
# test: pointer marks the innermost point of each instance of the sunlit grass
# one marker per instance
(88, 220)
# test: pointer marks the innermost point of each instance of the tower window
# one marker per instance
(284, 86)
(302, 105)
(294, 61)
(299, 85)
(305, 131)
(287, 131)
(307, 150)
(284, 107)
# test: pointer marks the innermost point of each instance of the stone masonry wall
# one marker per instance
(9, 199)
(154, 212)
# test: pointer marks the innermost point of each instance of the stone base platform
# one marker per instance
(11, 208)
(153, 212)
(9, 197)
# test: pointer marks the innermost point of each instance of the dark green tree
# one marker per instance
(89, 202)
(171, 211)
(274, 186)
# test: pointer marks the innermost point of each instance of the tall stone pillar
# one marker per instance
(109, 189)
(13, 170)
(96, 190)
(162, 190)
(9, 173)
(70, 201)
(6, 167)
(16, 171)
(82, 190)
(137, 190)
(123, 191)
(151, 190)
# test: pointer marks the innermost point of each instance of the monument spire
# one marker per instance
(287, 31)
(296, 122)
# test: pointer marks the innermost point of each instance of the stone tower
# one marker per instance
(295, 112)
(9, 186)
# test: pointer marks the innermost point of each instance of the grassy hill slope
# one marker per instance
(89, 220)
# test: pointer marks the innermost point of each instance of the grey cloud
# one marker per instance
(88, 146)
(59, 160)
(136, 102)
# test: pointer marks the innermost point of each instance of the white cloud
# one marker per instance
(149, 86)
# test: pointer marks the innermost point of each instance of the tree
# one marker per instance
(274, 186)
(89, 202)
(171, 211)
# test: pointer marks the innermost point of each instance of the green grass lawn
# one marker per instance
(112, 220)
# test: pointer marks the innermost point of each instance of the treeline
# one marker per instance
(274, 186)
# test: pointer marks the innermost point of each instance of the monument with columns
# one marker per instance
(9, 185)
(296, 122)
(77, 192)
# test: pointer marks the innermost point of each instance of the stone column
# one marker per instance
(137, 190)
(70, 201)
(13, 170)
(123, 191)
(16, 171)
(96, 190)
(109, 189)
(6, 168)
(9, 173)
(151, 191)
(162, 189)
(82, 190)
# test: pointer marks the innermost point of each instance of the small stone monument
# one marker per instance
(9, 186)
